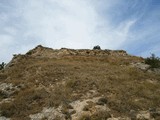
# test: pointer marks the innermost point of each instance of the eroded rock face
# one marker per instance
(76, 110)
(145, 67)
(41, 51)
(79, 111)
(143, 115)
(5, 86)
(44, 52)
(156, 70)
(49, 114)
(140, 65)
(88, 106)
(7, 90)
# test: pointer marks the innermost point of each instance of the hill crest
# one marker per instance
(49, 52)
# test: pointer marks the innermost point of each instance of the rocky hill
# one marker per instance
(68, 84)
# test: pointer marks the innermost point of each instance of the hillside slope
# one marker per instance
(65, 84)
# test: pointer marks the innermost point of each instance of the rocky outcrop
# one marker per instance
(7, 90)
(49, 114)
(89, 109)
(76, 110)
(141, 66)
(41, 51)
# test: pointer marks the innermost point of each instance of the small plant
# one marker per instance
(3, 94)
(153, 61)
(102, 101)
(2, 66)
(97, 47)
(44, 118)
(85, 117)
(7, 109)
(100, 115)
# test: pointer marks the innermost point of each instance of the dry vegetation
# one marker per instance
(52, 82)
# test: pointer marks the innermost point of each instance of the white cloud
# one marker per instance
(6, 40)
(62, 23)
(71, 23)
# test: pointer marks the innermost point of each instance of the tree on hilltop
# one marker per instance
(97, 47)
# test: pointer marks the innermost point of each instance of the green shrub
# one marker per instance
(2, 66)
(153, 61)
(97, 47)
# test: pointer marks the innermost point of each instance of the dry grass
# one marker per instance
(65, 80)
(58, 96)
(3, 94)
(99, 115)
(26, 102)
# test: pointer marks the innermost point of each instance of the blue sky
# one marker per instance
(131, 25)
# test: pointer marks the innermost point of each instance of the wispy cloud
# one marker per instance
(75, 24)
